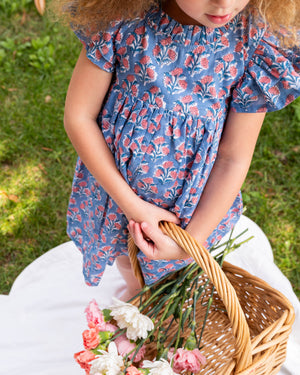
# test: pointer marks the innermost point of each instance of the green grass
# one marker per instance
(271, 192)
(37, 161)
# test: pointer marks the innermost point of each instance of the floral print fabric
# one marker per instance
(163, 117)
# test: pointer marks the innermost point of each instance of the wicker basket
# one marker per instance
(248, 323)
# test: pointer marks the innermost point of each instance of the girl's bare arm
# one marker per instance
(228, 174)
(87, 90)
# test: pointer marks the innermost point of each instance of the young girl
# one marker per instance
(164, 109)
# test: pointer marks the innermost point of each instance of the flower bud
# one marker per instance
(104, 336)
(191, 342)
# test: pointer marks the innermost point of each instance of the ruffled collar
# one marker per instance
(163, 24)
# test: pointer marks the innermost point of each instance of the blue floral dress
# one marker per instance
(163, 117)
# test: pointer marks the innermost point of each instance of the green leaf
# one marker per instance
(106, 314)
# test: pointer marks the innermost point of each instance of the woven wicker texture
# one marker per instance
(249, 322)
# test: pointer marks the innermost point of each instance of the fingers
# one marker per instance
(169, 216)
(153, 243)
(154, 234)
(143, 242)
(164, 246)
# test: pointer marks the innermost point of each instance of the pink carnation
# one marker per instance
(94, 314)
(190, 360)
(95, 318)
(91, 338)
(132, 370)
(108, 327)
(83, 358)
(124, 347)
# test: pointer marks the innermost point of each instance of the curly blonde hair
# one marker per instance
(97, 14)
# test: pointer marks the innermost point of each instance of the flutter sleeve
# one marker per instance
(101, 47)
(271, 79)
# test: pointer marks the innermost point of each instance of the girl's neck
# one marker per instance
(174, 11)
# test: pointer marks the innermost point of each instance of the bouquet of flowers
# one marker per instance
(115, 344)
(163, 314)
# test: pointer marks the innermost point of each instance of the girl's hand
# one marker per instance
(140, 211)
(144, 219)
(154, 243)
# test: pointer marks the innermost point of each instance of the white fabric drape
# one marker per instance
(42, 318)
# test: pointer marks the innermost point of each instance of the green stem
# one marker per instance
(188, 271)
(206, 315)
(154, 295)
(160, 322)
(180, 321)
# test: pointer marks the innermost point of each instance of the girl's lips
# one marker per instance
(219, 20)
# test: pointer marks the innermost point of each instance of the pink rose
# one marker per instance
(132, 370)
(83, 358)
(124, 347)
(190, 360)
(91, 338)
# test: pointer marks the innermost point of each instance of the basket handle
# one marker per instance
(218, 278)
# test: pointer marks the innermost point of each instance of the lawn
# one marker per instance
(37, 159)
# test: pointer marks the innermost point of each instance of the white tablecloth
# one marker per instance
(42, 318)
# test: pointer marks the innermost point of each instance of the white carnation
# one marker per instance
(161, 367)
(128, 316)
(108, 363)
